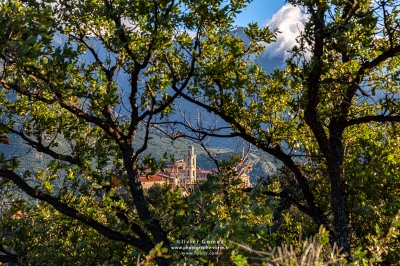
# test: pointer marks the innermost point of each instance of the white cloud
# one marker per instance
(192, 34)
(289, 20)
(131, 25)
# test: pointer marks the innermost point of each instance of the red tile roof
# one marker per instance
(153, 178)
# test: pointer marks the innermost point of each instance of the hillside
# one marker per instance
(262, 164)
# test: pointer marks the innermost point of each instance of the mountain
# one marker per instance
(262, 163)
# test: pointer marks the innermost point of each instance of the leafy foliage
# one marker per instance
(331, 117)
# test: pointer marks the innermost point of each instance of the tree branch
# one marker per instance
(115, 133)
(9, 258)
(313, 83)
(207, 133)
(346, 103)
(379, 59)
(120, 31)
(367, 119)
(175, 82)
(315, 212)
(146, 137)
(41, 148)
(66, 210)
(292, 200)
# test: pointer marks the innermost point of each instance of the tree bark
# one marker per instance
(136, 189)
(338, 193)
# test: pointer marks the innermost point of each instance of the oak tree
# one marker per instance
(318, 115)
(79, 80)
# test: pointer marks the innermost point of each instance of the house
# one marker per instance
(157, 178)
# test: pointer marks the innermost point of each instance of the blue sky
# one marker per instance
(259, 11)
(276, 14)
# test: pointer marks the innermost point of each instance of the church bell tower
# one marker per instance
(191, 165)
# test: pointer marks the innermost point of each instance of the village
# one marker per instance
(185, 173)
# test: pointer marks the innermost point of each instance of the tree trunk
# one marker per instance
(136, 189)
(338, 194)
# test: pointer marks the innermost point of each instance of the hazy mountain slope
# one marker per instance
(262, 164)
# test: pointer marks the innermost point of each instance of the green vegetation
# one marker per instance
(87, 107)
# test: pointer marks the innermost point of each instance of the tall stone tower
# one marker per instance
(191, 165)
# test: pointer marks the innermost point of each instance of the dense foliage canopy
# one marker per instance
(81, 80)
(331, 116)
